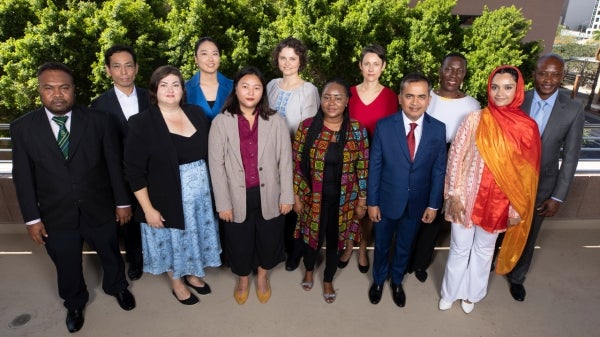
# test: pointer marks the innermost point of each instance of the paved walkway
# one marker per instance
(563, 299)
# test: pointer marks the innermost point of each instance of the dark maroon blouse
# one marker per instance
(249, 150)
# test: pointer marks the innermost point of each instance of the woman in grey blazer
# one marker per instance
(250, 162)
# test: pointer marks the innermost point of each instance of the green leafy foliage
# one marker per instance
(164, 32)
(495, 39)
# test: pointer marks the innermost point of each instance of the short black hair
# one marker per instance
(375, 49)
(55, 66)
(454, 54)
(118, 48)
(414, 77)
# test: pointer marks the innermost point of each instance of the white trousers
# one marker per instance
(469, 261)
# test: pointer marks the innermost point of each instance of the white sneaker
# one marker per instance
(467, 307)
(444, 305)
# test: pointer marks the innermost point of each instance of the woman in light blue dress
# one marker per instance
(165, 163)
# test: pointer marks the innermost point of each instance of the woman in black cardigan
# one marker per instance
(165, 164)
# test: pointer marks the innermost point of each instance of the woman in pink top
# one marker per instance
(369, 102)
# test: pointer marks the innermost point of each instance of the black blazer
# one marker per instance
(151, 161)
(109, 103)
(54, 189)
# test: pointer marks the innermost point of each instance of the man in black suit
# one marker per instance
(121, 102)
(560, 120)
(69, 180)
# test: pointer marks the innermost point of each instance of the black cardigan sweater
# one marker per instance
(151, 161)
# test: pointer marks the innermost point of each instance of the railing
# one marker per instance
(5, 151)
(590, 151)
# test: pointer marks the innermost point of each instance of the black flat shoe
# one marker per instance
(188, 301)
(75, 319)
(125, 299)
(205, 290)
(342, 264)
(364, 269)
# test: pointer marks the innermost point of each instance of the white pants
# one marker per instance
(469, 261)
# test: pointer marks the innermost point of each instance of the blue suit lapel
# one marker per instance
(401, 134)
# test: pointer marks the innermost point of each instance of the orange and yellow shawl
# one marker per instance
(510, 145)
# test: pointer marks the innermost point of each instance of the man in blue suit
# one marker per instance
(407, 166)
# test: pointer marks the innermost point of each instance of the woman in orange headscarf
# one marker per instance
(491, 182)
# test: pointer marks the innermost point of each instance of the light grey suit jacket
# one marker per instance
(564, 129)
(227, 170)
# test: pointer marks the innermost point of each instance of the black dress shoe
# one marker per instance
(75, 320)
(375, 293)
(421, 275)
(517, 291)
(134, 272)
(188, 301)
(205, 290)
(125, 299)
(398, 295)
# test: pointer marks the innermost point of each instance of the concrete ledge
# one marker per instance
(581, 203)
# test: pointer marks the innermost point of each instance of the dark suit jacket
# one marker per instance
(54, 189)
(108, 102)
(395, 182)
(151, 161)
(563, 130)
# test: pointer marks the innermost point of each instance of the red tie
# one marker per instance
(410, 139)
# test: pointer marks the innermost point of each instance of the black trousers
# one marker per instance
(64, 246)
(256, 242)
(294, 247)
(132, 237)
(328, 231)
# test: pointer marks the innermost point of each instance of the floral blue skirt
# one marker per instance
(189, 251)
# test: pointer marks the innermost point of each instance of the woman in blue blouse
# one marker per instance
(208, 88)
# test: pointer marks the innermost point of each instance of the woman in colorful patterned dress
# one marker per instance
(331, 157)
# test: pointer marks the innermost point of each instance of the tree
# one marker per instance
(188, 20)
(495, 39)
(15, 15)
(434, 32)
(164, 32)
(335, 32)
(65, 35)
(132, 23)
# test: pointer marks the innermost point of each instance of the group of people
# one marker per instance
(251, 173)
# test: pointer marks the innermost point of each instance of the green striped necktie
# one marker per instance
(63, 135)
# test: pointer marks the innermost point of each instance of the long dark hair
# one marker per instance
(232, 104)
(315, 129)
